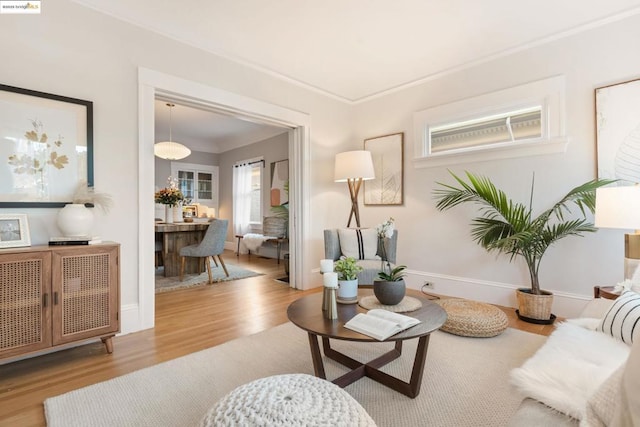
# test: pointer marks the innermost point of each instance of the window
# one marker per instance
(519, 121)
(256, 193)
(510, 126)
(197, 182)
(247, 195)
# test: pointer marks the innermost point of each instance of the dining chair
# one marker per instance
(212, 245)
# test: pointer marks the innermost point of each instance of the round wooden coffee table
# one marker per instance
(307, 314)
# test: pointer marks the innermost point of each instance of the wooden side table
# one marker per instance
(605, 292)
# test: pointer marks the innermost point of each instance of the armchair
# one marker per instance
(371, 267)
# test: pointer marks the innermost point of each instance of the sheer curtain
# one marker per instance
(241, 198)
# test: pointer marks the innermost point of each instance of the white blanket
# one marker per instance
(254, 241)
(569, 368)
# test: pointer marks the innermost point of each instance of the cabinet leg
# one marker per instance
(108, 343)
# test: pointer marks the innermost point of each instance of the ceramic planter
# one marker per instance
(348, 291)
(389, 293)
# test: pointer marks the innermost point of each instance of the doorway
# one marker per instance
(154, 84)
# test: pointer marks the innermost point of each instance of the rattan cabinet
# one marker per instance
(51, 297)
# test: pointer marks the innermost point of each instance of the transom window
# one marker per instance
(510, 126)
(520, 121)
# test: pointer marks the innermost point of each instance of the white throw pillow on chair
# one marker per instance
(359, 243)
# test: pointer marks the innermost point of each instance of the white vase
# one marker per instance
(75, 220)
(168, 214)
(177, 214)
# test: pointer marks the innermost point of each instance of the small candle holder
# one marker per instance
(331, 311)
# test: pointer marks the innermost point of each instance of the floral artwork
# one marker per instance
(43, 154)
(45, 148)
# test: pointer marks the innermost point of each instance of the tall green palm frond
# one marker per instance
(509, 227)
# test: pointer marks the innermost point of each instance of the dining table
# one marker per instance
(175, 236)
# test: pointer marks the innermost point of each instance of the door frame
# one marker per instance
(153, 83)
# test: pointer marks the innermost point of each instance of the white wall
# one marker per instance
(73, 51)
(437, 246)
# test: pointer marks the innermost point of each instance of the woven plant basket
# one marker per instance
(534, 306)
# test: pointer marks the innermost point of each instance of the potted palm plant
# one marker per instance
(347, 269)
(510, 228)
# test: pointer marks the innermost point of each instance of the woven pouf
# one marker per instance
(288, 400)
(473, 319)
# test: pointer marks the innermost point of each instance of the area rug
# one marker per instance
(465, 383)
(164, 284)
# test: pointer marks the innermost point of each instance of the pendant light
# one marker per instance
(170, 150)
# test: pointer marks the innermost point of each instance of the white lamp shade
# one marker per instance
(170, 150)
(353, 165)
(618, 207)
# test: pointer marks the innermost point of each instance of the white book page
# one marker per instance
(400, 319)
(373, 326)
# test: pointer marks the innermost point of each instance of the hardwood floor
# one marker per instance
(186, 321)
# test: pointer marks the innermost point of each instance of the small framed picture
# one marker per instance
(14, 231)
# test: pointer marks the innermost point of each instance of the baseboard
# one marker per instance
(130, 319)
(564, 304)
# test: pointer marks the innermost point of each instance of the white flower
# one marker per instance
(386, 229)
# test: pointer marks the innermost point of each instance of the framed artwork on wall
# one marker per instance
(387, 152)
(618, 131)
(280, 183)
(46, 147)
(14, 231)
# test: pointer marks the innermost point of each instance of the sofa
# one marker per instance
(363, 245)
(588, 371)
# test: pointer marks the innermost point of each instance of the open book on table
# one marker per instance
(380, 324)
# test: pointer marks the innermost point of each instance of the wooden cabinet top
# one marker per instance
(47, 248)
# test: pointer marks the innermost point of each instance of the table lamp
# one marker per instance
(353, 167)
(619, 207)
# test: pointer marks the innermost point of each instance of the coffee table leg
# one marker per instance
(418, 366)
(316, 357)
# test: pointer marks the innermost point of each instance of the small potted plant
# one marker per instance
(347, 269)
(390, 287)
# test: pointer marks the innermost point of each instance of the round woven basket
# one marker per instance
(534, 306)
(473, 319)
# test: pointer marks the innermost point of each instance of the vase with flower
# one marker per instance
(171, 197)
(390, 287)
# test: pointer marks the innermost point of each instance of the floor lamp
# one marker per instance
(353, 167)
(619, 207)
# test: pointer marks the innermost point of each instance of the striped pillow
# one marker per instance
(359, 243)
(622, 321)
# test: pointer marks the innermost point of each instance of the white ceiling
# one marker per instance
(207, 131)
(355, 49)
(351, 50)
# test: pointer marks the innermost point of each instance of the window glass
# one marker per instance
(509, 126)
(256, 193)
(185, 183)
